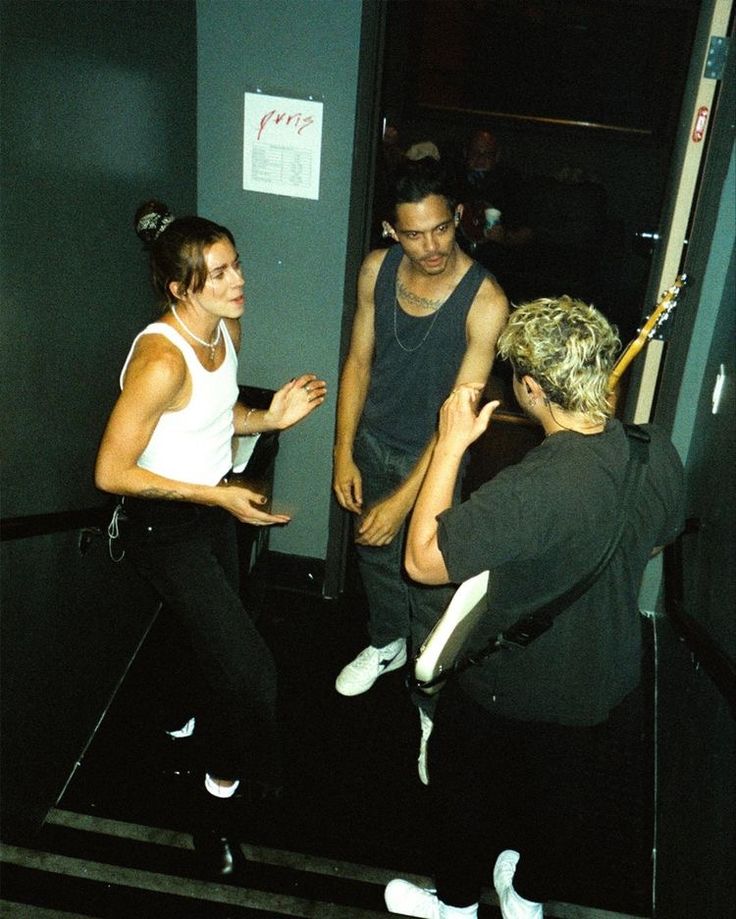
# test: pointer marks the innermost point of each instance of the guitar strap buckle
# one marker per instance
(524, 632)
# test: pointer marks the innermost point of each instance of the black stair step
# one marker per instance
(108, 892)
(84, 865)
(109, 868)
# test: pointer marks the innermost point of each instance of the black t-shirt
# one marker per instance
(540, 526)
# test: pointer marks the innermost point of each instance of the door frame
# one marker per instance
(365, 146)
(700, 99)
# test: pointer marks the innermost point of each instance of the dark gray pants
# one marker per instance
(398, 606)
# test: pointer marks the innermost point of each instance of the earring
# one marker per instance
(385, 233)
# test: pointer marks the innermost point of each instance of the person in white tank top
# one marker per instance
(201, 297)
(166, 450)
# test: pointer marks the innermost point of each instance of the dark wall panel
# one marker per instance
(98, 106)
(98, 112)
(696, 798)
(70, 626)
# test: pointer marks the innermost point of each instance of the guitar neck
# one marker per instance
(658, 316)
(625, 358)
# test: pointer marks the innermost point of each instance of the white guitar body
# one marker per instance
(444, 644)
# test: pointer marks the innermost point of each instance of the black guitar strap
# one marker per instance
(531, 626)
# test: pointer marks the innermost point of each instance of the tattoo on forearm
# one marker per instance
(162, 494)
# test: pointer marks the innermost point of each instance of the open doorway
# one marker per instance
(584, 100)
(582, 97)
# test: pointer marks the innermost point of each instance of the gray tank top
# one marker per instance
(416, 359)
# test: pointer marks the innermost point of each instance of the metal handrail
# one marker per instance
(705, 650)
(56, 522)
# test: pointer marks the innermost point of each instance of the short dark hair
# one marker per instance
(417, 180)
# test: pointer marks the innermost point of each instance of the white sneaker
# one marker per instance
(186, 731)
(359, 675)
(512, 905)
(427, 725)
(410, 900)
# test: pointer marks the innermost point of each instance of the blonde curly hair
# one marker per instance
(568, 347)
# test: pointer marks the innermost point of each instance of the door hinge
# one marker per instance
(715, 63)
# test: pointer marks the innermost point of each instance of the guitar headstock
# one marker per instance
(651, 327)
(661, 313)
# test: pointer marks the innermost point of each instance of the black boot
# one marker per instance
(218, 854)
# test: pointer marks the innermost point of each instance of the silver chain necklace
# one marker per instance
(424, 337)
(207, 344)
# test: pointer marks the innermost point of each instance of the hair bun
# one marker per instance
(151, 219)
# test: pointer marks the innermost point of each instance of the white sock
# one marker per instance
(220, 791)
(186, 731)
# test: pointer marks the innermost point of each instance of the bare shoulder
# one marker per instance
(367, 279)
(372, 264)
(488, 315)
(491, 299)
(156, 366)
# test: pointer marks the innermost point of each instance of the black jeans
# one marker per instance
(188, 552)
(500, 784)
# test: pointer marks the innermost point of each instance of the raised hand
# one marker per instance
(295, 400)
(460, 422)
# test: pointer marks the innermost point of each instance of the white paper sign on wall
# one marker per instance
(282, 145)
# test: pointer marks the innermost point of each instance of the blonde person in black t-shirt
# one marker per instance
(514, 755)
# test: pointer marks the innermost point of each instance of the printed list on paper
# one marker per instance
(282, 145)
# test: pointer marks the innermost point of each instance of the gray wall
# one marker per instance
(98, 112)
(294, 250)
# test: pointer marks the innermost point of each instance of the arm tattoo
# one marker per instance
(161, 494)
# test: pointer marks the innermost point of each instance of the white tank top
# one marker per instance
(194, 444)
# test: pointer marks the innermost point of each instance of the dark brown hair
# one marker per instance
(176, 248)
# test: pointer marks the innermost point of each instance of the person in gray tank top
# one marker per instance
(427, 320)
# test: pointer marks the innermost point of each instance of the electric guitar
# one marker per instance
(654, 321)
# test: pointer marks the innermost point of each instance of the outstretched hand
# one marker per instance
(295, 400)
(460, 422)
(247, 506)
